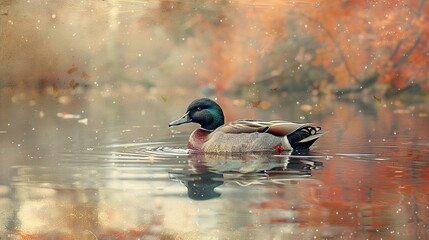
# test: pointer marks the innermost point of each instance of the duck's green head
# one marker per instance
(204, 111)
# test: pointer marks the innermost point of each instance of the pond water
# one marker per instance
(106, 166)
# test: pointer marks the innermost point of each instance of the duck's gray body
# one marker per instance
(241, 142)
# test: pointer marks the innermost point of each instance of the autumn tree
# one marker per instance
(367, 42)
(339, 47)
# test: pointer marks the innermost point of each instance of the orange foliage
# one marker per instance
(353, 40)
(359, 38)
(235, 36)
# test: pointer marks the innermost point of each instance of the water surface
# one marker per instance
(123, 174)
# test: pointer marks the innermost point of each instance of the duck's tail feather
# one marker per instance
(304, 137)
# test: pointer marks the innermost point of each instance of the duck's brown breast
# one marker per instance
(198, 138)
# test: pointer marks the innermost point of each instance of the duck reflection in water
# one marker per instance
(208, 171)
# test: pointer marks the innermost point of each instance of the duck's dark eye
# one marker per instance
(198, 108)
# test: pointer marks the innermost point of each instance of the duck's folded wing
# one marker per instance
(277, 128)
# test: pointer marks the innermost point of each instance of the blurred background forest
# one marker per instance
(378, 49)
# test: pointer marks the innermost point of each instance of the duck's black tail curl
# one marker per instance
(304, 137)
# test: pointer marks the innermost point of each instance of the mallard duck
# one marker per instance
(243, 135)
